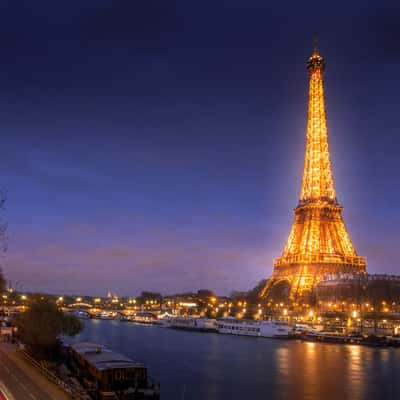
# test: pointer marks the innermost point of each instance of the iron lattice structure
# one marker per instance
(318, 242)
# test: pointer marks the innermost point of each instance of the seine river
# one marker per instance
(208, 366)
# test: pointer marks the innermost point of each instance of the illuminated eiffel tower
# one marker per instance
(318, 242)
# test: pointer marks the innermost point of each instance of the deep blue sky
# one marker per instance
(159, 145)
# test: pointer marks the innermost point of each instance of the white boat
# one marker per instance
(268, 329)
(193, 324)
(106, 315)
(81, 314)
(304, 328)
(147, 318)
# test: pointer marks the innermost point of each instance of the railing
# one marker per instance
(69, 390)
(364, 277)
(320, 258)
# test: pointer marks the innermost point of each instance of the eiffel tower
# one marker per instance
(318, 242)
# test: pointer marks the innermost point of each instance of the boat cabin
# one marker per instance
(108, 372)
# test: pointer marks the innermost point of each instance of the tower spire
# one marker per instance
(317, 184)
(315, 43)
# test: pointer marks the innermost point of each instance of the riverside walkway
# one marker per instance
(21, 381)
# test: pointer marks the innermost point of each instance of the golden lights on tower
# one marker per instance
(317, 178)
(318, 241)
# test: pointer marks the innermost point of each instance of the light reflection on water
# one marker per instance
(220, 367)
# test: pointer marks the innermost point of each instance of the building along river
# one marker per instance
(211, 366)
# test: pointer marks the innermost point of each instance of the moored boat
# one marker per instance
(106, 374)
(140, 317)
(335, 337)
(81, 314)
(267, 329)
(331, 337)
(105, 315)
(193, 324)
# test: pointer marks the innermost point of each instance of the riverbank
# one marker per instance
(273, 329)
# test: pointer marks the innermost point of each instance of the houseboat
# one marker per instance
(107, 375)
(267, 329)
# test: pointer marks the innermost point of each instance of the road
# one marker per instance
(15, 384)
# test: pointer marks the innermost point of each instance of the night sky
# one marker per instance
(159, 144)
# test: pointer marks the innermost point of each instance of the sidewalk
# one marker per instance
(52, 390)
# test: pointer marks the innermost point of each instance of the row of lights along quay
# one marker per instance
(377, 313)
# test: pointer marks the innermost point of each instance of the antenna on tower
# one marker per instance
(315, 42)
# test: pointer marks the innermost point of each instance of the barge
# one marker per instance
(108, 375)
(335, 337)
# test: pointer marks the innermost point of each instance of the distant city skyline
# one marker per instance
(166, 155)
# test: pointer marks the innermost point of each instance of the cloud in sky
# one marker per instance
(82, 259)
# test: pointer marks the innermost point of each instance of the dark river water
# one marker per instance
(208, 366)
